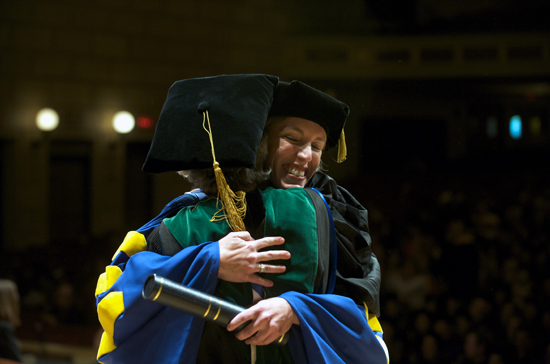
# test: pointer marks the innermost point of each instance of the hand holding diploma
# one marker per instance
(197, 303)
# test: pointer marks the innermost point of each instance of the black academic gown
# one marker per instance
(358, 270)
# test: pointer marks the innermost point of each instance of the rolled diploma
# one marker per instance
(194, 302)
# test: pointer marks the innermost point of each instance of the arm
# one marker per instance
(273, 317)
(122, 311)
(329, 326)
(358, 268)
(334, 329)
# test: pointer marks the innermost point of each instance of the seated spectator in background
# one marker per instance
(430, 350)
(409, 285)
(475, 348)
(9, 320)
(64, 309)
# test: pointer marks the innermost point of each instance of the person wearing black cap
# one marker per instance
(298, 108)
(132, 325)
(303, 122)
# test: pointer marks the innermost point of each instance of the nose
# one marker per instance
(305, 153)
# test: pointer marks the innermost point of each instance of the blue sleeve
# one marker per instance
(132, 324)
(333, 329)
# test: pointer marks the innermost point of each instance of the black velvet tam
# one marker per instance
(300, 100)
(237, 106)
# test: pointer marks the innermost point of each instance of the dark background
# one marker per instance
(459, 217)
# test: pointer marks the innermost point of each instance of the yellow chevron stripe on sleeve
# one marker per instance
(108, 310)
(372, 320)
(106, 345)
(375, 326)
(133, 243)
(107, 279)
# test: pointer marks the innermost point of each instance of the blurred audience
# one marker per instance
(465, 277)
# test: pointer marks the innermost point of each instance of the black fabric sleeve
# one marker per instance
(358, 270)
(161, 241)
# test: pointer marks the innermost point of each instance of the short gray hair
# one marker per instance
(239, 179)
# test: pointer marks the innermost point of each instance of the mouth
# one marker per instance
(294, 171)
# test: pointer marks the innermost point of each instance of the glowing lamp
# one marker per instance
(515, 127)
(47, 119)
(123, 122)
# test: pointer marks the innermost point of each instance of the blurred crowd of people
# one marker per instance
(465, 277)
(55, 301)
(463, 269)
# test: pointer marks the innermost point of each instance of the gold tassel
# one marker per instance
(342, 149)
(233, 207)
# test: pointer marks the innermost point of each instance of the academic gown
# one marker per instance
(332, 328)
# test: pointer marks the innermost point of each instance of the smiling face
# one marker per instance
(295, 146)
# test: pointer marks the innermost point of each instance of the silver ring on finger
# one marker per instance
(262, 267)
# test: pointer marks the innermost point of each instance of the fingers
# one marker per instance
(254, 278)
(273, 255)
(269, 241)
(255, 333)
(260, 339)
(241, 258)
(239, 320)
(268, 268)
(245, 235)
(268, 320)
(252, 331)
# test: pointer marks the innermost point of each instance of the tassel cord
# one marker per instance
(233, 207)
